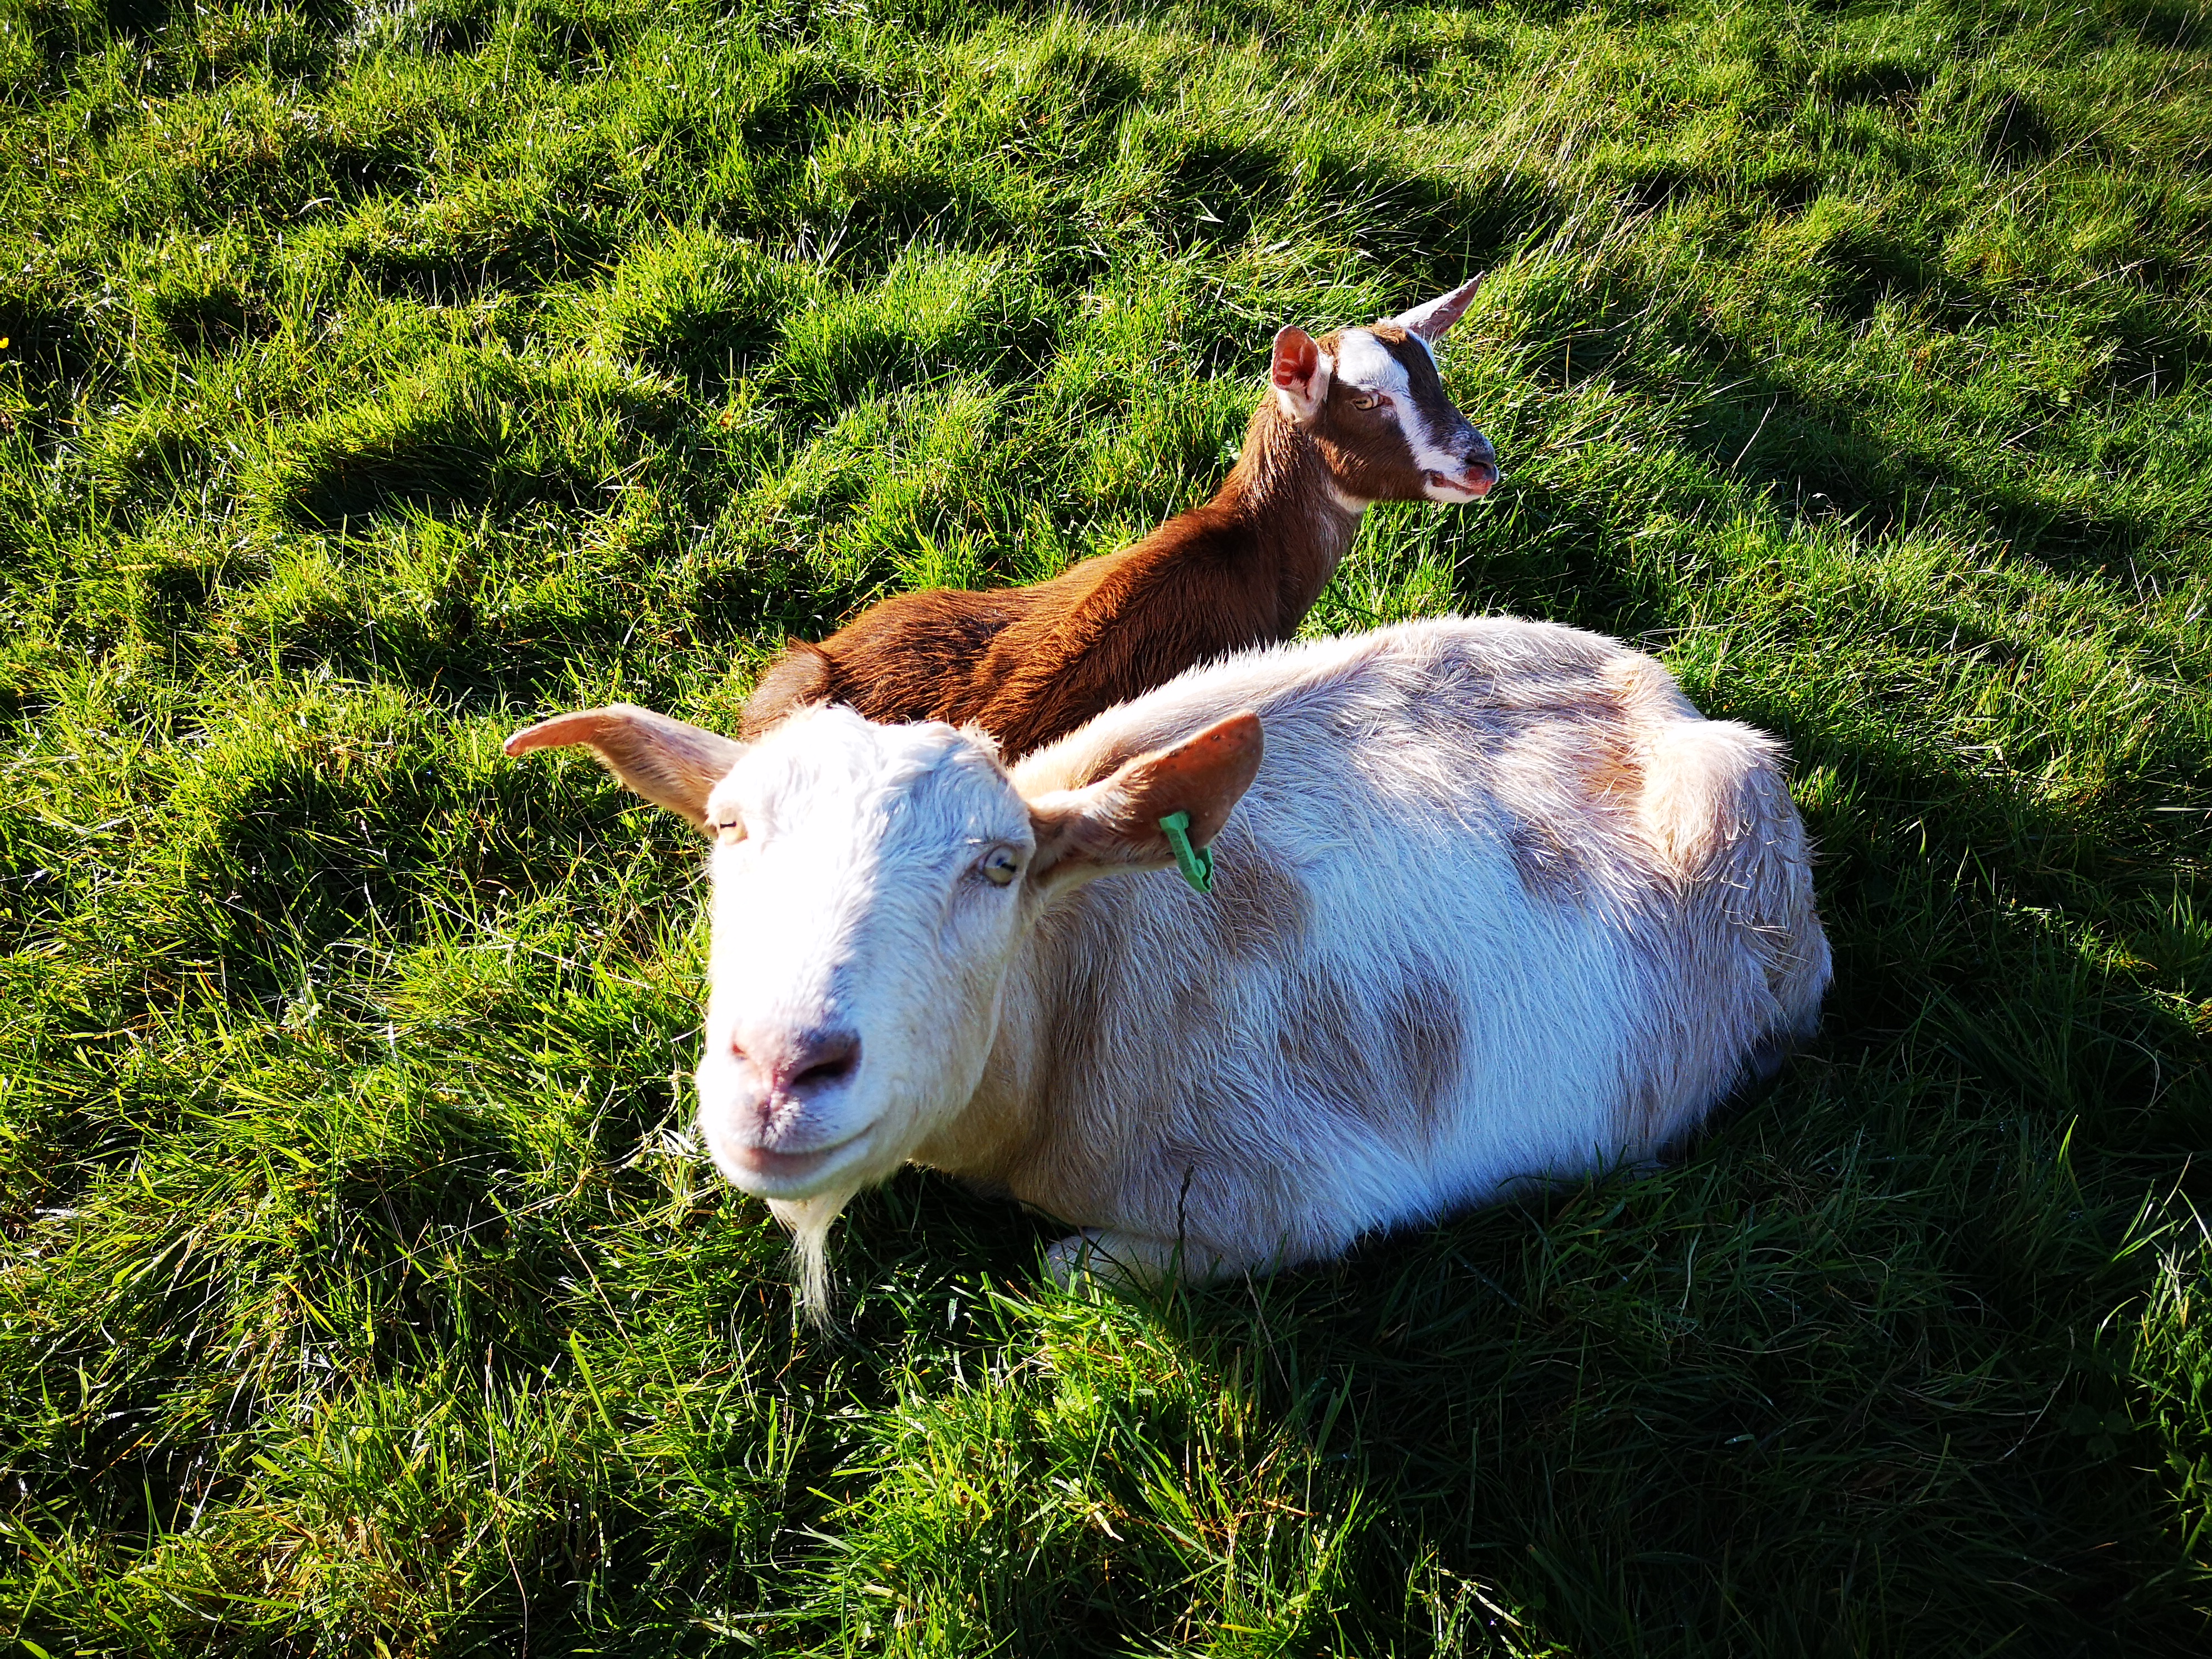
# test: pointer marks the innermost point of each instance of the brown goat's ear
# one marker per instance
(800, 676)
(1299, 374)
(670, 763)
(1431, 319)
(1115, 824)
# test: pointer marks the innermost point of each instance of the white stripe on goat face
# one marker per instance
(859, 947)
(1364, 362)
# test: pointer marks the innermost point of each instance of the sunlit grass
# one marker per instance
(379, 379)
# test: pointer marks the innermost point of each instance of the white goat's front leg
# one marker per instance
(1130, 1259)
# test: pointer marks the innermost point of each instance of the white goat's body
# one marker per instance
(1493, 903)
(1499, 905)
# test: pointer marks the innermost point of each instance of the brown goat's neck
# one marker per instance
(1281, 494)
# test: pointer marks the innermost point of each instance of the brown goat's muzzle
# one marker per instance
(1477, 479)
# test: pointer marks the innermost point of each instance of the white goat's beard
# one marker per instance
(809, 1221)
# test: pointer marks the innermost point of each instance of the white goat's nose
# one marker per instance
(795, 1065)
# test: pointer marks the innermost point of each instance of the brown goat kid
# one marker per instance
(1357, 416)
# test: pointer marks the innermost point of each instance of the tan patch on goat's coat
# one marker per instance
(1262, 909)
(1426, 1030)
(1547, 864)
(1320, 1036)
(1388, 1063)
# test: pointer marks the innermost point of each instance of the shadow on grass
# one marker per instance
(474, 436)
(1433, 232)
(53, 348)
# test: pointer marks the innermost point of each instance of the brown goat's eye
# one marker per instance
(1372, 400)
(1000, 866)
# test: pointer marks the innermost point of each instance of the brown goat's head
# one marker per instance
(1373, 400)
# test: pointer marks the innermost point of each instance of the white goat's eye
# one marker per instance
(730, 834)
(1000, 866)
(1372, 400)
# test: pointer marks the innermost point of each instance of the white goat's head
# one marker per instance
(1373, 400)
(871, 885)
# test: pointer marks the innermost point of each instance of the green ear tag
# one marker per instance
(1195, 862)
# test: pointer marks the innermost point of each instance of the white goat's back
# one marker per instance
(1500, 905)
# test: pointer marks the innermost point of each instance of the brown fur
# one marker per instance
(1424, 1027)
(1264, 911)
(1029, 665)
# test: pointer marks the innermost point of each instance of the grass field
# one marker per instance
(377, 381)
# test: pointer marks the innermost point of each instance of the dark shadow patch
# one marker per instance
(440, 474)
(1093, 87)
(1432, 232)
(822, 373)
(62, 33)
(364, 169)
(574, 35)
(796, 103)
(712, 350)
(1816, 460)
(435, 279)
(1790, 183)
(2157, 351)
(474, 439)
(151, 471)
(776, 597)
(334, 16)
(474, 655)
(1874, 81)
(1822, 459)
(1651, 186)
(211, 320)
(438, 273)
(1212, 192)
(1871, 264)
(1411, 57)
(131, 16)
(427, 28)
(1541, 551)
(888, 206)
(228, 45)
(172, 596)
(2014, 133)
(2176, 25)
(315, 847)
(2071, 536)
(49, 342)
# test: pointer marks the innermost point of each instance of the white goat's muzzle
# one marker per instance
(776, 1106)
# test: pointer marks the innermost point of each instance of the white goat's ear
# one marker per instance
(1431, 321)
(1300, 374)
(670, 763)
(1115, 824)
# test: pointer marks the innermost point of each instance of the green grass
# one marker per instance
(378, 382)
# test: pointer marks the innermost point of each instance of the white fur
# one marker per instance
(1363, 361)
(1499, 906)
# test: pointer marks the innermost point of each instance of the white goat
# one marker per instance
(1498, 905)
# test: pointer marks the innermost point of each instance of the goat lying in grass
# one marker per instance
(1498, 904)
(1359, 416)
